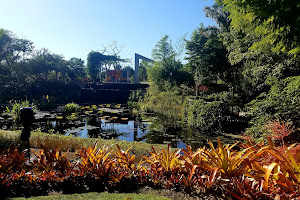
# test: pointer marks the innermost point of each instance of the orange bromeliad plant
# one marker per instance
(225, 159)
(164, 160)
(288, 166)
(92, 159)
(48, 160)
(255, 171)
(124, 159)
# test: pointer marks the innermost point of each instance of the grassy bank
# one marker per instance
(71, 143)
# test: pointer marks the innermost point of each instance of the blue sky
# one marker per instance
(74, 28)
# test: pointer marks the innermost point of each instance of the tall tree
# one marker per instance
(163, 50)
(14, 53)
(77, 69)
(218, 14)
(13, 49)
(275, 23)
(207, 57)
(96, 61)
(263, 40)
(166, 67)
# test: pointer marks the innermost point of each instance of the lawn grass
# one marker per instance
(71, 143)
(102, 196)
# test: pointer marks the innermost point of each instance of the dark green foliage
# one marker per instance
(130, 72)
(166, 67)
(32, 75)
(77, 69)
(282, 100)
(207, 58)
(275, 23)
(262, 42)
(59, 92)
(171, 71)
(208, 117)
(96, 61)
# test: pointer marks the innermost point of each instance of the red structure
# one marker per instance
(114, 76)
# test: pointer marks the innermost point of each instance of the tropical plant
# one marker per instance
(227, 161)
(94, 159)
(15, 110)
(124, 159)
(71, 108)
(11, 160)
(165, 161)
(220, 171)
(50, 160)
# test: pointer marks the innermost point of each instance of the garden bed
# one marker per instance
(252, 171)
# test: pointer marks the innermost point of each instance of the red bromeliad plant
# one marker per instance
(241, 174)
(279, 129)
(11, 160)
(49, 160)
(246, 189)
(124, 177)
(192, 157)
(195, 180)
(189, 182)
(277, 163)
(288, 165)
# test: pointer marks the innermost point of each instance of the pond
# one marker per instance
(114, 122)
(128, 130)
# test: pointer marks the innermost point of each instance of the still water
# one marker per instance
(129, 130)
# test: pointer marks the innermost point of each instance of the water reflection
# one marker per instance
(131, 130)
(159, 134)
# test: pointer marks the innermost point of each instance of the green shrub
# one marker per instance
(283, 100)
(15, 110)
(167, 105)
(71, 108)
(208, 117)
